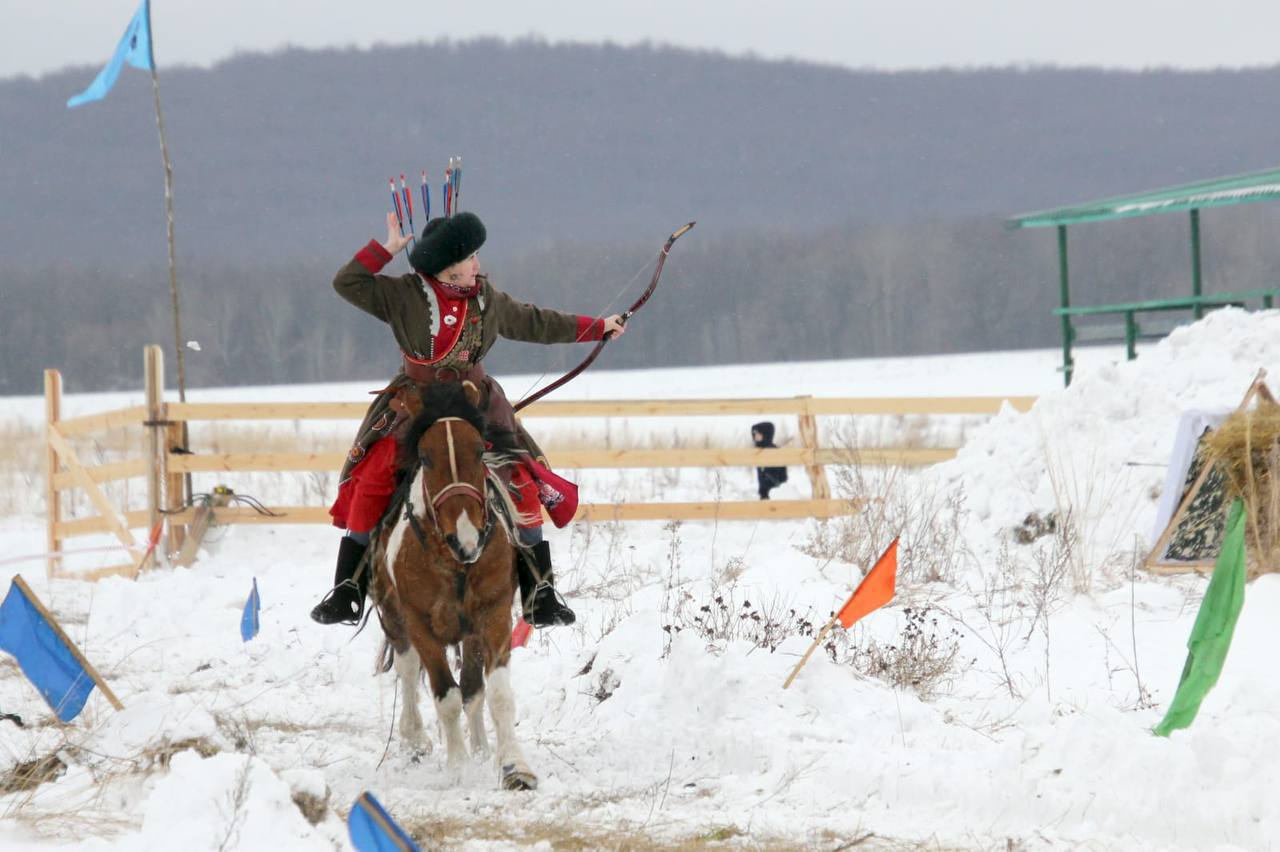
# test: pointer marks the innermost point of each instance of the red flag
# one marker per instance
(520, 634)
(875, 590)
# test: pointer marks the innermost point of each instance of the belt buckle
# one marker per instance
(442, 374)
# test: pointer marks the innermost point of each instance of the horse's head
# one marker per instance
(447, 438)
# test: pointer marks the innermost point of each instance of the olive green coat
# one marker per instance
(408, 305)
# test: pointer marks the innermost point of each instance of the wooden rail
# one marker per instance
(165, 469)
(817, 406)
(583, 459)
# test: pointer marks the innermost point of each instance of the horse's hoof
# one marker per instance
(518, 779)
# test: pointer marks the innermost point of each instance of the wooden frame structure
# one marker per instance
(165, 469)
(1257, 389)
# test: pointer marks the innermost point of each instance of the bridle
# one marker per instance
(455, 487)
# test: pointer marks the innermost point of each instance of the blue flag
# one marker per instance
(45, 658)
(249, 620)
(373, 830)
(134, 48)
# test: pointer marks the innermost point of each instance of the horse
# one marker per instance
(447, 577)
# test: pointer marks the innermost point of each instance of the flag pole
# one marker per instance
(57, 628)
(173, 262)
(872, 593)
(822, 634)
(168, 209)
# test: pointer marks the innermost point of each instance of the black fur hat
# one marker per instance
(445, 241)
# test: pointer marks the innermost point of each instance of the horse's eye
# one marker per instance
(425, 462)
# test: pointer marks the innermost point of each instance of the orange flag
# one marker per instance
(875, 590)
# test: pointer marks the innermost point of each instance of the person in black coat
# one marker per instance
(768, 478)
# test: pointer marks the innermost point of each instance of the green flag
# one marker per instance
(1215, 623)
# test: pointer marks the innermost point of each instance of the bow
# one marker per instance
(623, 317)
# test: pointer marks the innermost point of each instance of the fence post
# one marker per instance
(153, 382)
(809, 437)
(174, 483)
(53, 502)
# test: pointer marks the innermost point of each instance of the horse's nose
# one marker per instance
(462, 553)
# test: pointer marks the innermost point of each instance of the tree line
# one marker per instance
(841, 213)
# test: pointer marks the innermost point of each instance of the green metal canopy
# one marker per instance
(1218, 192)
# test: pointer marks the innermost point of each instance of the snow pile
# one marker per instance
(1100, 446)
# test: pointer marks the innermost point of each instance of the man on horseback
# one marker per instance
(445, 316)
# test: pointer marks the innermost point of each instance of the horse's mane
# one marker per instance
(447, 399)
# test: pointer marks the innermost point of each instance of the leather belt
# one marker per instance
(426, 374)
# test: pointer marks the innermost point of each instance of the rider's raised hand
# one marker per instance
(395, 241)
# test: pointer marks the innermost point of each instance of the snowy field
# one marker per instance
(1003, 701)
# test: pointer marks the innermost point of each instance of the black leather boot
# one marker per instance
(543, 606)
(345, 602)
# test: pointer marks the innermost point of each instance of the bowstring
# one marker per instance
(603, 313)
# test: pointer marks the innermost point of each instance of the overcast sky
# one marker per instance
(38, 36)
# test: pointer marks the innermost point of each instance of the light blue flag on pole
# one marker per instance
(134, 48)
(249, 620)
(373, 830)
(47, 661)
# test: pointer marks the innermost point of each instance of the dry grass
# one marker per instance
(928, 519)
(1246, 449)
(450, 832)
(160, 754)
(30, 774)
(1093, 508)
(79, 813)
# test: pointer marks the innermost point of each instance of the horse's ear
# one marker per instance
(407, 401)
(472, 392)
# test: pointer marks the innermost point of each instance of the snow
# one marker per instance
(1036, 736)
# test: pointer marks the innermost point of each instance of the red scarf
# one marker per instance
(452, 290)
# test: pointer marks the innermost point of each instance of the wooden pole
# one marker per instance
(173, 254)
(57, 628)
(168, 210)
(153, 368)
(116, 522)
(174, 483)
(822, 634)
(53, 502)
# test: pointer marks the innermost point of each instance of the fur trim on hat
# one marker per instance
(446, 241)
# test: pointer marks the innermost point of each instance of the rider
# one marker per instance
(445, 316)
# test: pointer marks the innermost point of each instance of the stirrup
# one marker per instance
(344, 604)
(548, 609)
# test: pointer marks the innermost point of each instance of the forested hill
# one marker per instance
(841, 213)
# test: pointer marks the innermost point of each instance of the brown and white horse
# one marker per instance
(447, 577)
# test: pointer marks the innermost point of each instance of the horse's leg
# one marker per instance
(473, 693)
(404, 657)
(408, 671)
(516, 774)
(448, 697)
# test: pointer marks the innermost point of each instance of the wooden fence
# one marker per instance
(165, 470)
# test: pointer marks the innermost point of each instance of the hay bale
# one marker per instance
(1246, 450)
